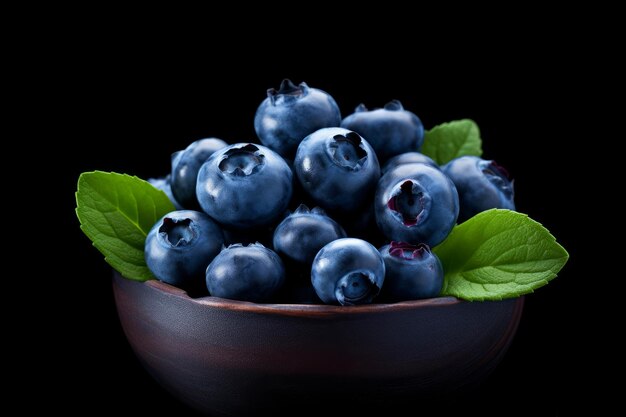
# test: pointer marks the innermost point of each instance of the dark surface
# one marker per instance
(129, 114)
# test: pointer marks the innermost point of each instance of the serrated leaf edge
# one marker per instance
(109, 258)
(496, 296)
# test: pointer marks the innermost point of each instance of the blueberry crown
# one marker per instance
(347, 151)
(304, 209)
(287, 89)
(242, 161)
(407, 251)
(178, 232)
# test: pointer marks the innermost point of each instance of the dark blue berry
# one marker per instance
(337, 168)
(301, 235)
(248, 273)
(416, 203)
(244, 186)
(348, 272)
(288, 115)
(481, 184)
(412, 272)
(390, 130)
(407, 158)
(185, 167)
(180, 246)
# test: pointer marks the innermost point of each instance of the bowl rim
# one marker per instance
(292, 309)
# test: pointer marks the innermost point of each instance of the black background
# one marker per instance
(129, 112)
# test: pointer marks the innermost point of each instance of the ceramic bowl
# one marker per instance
(227, 357)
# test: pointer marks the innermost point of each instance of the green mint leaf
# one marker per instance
(451, 140)
(116, 211)
(499, 254)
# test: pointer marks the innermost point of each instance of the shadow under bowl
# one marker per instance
(226, 357)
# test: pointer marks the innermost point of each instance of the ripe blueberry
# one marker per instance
(180, 245)
(412, 272)
(348, 272)
(248, 273)
(288, 115)
(416, 203)
(185, 167)
(244, 186)
(337, 168)
(481, 185)
(390, 130)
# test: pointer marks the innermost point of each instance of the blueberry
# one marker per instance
(180, 245)
(248, 273)
(390, 130)
(407, 158)
(481, 185)
(303, 233)
(185, 167)
(416, 203)
(263, 235)
(348, 271)
(164, 185)
(244, 186)
(175, 158)
(337, 168)
(412, 272)
(288, 115)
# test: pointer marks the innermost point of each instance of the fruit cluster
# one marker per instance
(367, 182)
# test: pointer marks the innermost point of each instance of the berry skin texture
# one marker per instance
(407, 158)
(180, 245)
(337, 168)
(348, 271)
(412, 272)
(247, 273)
(416, 203)
(288, 115)
(244, 186)
(481, 184)
(185, 167)
(301, 235)
(390, 130)
(164, 185)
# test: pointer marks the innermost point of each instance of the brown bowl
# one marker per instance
(228, 357)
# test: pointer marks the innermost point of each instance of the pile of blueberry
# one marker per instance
(231, 197)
